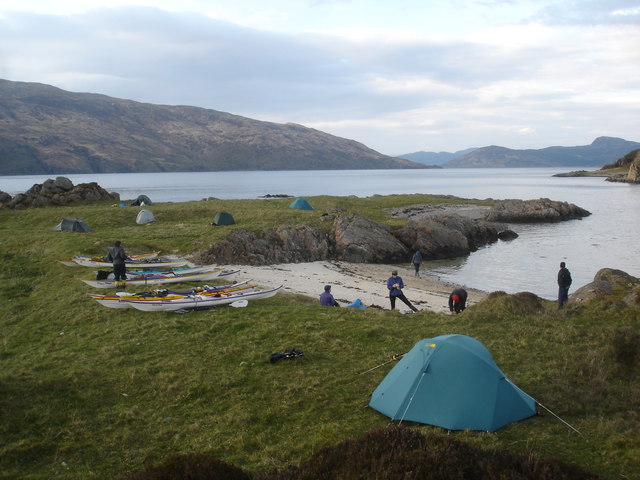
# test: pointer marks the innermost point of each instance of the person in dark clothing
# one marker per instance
(564, 282)
(326, 298)
(417, 260)
(457, 301)
(118, 257)
(395, 286)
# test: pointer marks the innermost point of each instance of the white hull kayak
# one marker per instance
(199, 301)
(119, 300)
(136, 274)
(154, 263)
(74, 261)
(156, 279)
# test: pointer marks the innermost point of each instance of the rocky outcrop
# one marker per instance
(278, 245)
(634, 170)
(60, 191)
(446, 236)
(541, 210)
(606, 282)
(360, 240)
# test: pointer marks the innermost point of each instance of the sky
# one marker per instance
(399, 76)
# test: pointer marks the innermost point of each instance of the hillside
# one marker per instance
(434, 158)
(601, 151)
(46, 130)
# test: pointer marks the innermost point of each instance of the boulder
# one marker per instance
(507, 235)
(605, 282)
(360, 240)
(60, 191)
(278, 245)
(446, 236)
(5, 198)
(534, 211)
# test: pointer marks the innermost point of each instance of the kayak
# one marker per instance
(131, 274)
(199, 301)
(116, 300)
(159, 278)
(73, 262)
(134, 262)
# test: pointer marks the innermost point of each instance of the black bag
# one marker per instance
(102, 275)
(286, 355)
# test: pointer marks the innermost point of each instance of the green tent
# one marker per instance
(141, 200)
(301, 204)
(451, 381)
(223, 218)
(72, 225)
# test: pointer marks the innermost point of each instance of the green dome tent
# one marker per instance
(223, 218)
(451, 381)
(72, 225)
(141, 200)
(301, 204)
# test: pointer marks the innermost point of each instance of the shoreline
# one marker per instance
(352, 281)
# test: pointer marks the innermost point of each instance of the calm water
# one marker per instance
(530, 263)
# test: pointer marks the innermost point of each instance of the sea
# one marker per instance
(607, 238)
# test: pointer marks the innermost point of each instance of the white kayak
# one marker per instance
(74, 262)
(199, 301)
(134, 274)
(118, 300)
(159, 279)
(134, 263)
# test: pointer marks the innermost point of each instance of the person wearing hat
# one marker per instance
(395, 286)
(564, 282)
(457, 301)
(326, 299)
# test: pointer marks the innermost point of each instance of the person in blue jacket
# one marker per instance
(417, 260)
(395, 286)
(326, 298)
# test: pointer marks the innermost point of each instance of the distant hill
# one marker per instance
(46, 130)
(603, 150)
(433, 158)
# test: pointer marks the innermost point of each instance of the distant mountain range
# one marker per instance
(45, 130)
(602, 150)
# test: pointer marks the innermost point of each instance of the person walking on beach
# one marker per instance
(326, 298)
(118, 256)
(417, 260)
(457, 301)
(395, 286)
(564, 282)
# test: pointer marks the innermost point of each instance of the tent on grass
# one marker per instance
(223, 218)
(145, 216)
(451, 381)
(301, 204)
(141, 200)
(72, 225)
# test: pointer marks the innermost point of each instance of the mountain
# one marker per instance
(603, 150)
(46, 130)
(433, 158)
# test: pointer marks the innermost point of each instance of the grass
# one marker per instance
(90, 393)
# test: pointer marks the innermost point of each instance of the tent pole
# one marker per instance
(411, 399)
(566, 423)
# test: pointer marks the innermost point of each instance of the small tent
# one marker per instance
(451, 381)
(223, 218)
(301, 204)
(141, 200)
(145, 216)
(72, 225)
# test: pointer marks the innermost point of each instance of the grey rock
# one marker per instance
(534, 211)
(605, 282)
(360, 240)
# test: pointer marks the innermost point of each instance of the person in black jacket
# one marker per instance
(117, 256)
(457, 301)
(564, 282)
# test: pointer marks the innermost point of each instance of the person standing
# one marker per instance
(395, 286)
(564, 282)
(326, 298)
(117, 256)
(417, 260)
(457, 301)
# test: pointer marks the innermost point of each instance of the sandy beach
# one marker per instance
(351, 281)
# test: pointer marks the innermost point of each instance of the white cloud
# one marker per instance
(398, 76)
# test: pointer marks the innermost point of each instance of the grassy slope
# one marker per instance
(90, 392)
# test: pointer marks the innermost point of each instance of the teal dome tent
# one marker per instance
(451, 381)
(301, 204)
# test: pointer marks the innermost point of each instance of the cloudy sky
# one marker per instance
(397, 75)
